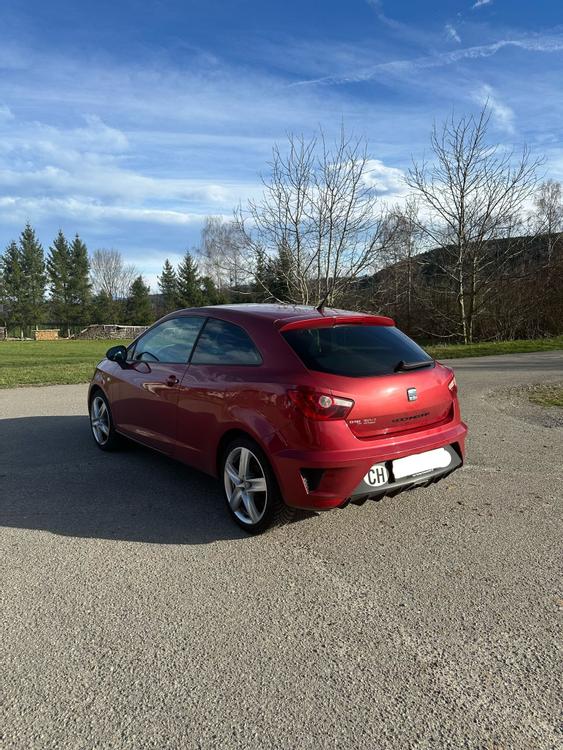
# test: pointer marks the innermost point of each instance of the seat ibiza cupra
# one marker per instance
(292, 407)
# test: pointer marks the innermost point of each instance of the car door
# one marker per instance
(216, 378)
(146, 408)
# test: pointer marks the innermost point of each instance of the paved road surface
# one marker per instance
(134, 614)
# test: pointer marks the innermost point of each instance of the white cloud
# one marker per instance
(383, 70)
(502, 114)
(5, 113)
(88, 174)
(99, 135)
(387, 181)
(480, 3)
(75, 208)
(451, 33)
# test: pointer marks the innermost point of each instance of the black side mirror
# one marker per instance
(117, 354)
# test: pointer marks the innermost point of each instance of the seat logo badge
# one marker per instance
(411, 394)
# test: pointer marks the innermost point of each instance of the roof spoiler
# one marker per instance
(334, 320)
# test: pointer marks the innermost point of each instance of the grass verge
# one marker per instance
(547, 395)
(453, 351)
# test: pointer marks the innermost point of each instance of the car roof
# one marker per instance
(280, 313)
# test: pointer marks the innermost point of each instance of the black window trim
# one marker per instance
(225, 364)
(133, 344)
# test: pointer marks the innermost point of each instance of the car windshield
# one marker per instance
(355, 350)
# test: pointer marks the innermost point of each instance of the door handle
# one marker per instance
(172, 380)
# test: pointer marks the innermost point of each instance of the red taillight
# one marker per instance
(318, 405)
(452, 385)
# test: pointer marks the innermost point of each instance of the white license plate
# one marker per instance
(421, 463)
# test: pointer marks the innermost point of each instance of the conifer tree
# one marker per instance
(13, 286)
(189, 289)
(209, 292)
(59, 267)
(80, 287)
(278, 274)
(168, 286)
(139, 306)
(33, 269)
(261, 291)
(103, 309)
(3, 297)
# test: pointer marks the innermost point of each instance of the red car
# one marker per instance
(292, 407)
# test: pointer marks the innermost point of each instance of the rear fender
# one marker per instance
(254, 425)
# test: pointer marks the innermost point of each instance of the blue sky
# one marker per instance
(130, 121)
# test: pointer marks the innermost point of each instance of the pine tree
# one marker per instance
(103, 309)
(139, 306)
(168, 286)
(33, 268)
(278, 275)
(13, 283)
(58, 271)
(189, 290)
(262, 274)
(210, 295)
(80, 288)
(3, 296)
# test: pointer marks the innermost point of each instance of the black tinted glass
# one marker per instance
(171, 341)
(225, 344)
(354, 350)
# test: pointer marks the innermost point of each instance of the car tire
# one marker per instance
(244, 466)
(101, 423)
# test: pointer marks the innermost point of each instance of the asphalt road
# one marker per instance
(134, 614)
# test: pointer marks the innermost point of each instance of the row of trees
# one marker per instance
(69, 289)
(25, 275)
(186, 287)
(66, 287)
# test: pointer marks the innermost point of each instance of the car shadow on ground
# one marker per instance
(54, 478)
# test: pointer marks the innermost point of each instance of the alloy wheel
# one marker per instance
(99, 419)
(245, 485)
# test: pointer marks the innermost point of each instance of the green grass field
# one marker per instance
(59, 362)
(50, 362)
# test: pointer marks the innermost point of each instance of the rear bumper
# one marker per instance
(326, 479)
(364, 492)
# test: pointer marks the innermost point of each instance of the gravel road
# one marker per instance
(134, 614)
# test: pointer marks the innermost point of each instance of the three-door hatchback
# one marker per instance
(292, 407)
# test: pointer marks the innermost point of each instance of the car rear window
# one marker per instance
(355, 351)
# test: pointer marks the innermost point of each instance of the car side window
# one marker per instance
(171, 341)
(223, 343)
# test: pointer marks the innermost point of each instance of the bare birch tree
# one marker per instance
(110, 274)
(472, 193)
(319, 215)
(548, 215)
(401, 278)
(222, 253)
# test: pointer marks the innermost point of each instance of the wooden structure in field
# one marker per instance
(110, 332)
(50, 334)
